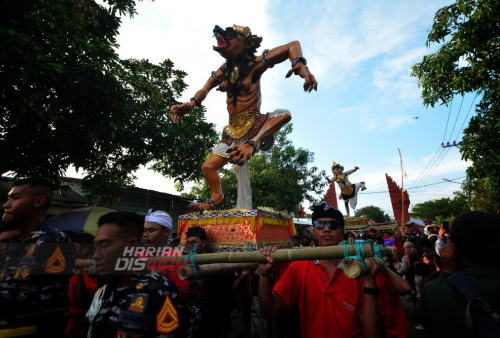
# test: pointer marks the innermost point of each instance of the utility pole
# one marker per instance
(402, 189)
(448, 145)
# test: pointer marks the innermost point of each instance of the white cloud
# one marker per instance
(362, 50)
(392, 78)
(342, 36)
(182, 32)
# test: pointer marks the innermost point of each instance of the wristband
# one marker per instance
(197, 100)
(214, 76)
(265, 60)
(253, 144)
(297, 59)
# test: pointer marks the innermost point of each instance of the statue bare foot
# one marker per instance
(200, 207)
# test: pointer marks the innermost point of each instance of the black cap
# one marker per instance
(325, 210)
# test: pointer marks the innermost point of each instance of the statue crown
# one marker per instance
(245, 31)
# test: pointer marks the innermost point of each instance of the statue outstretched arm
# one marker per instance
(178, 111)
(348, 172)
(293, 52)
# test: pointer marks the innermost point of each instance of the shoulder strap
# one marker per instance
(471, 291)
(466, 286)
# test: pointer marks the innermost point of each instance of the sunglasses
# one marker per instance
(332, 225)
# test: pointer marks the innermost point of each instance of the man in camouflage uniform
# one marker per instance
(142, 304)
(36, 264)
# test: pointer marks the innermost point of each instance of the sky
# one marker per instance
(367, 106)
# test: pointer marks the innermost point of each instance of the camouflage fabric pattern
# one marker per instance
(34, 278)
(146, 307)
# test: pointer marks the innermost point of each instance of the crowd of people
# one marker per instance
(48, 288)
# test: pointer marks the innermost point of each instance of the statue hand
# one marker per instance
(240, 154)
(178, 111)
(356, 168)
(301, 70)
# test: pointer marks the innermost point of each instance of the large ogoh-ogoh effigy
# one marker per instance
(248, 131)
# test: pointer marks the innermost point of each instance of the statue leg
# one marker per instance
(273, 124)
(353, 201)
(346, 202)
(209, 168)
(243, 152)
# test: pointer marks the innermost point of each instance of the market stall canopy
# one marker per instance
(416, 221)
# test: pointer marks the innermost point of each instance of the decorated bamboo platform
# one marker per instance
(238, 230)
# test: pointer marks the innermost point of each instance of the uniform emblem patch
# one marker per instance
(25, 273)
(137, 304)
(167, 319)
(56, 263)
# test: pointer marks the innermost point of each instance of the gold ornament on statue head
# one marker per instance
(245, 31)
(336, 165)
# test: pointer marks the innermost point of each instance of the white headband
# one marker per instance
(159, 217)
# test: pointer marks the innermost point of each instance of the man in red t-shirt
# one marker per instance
(329, 303)
(392, 286)
(82, 288)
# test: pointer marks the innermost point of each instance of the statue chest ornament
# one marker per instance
(235, 75)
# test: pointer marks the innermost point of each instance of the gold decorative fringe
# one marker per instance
(256, 222)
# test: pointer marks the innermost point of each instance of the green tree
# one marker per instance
(68, 99)
(374, 213)
(468, 61)
(444, 208)
(280, 178)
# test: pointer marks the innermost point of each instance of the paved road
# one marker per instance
(237, 322)
(412, 320)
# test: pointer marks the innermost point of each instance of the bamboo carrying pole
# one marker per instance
(188, 272)
(83, 263)
(283, 255)
(353, 268)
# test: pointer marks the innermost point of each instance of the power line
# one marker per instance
(443, 154)
(436, 165)
(440, 158)
(466, 116)
(423, 171)
(447, 120)
(458, 114)
(428, 169)
(427, 185)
